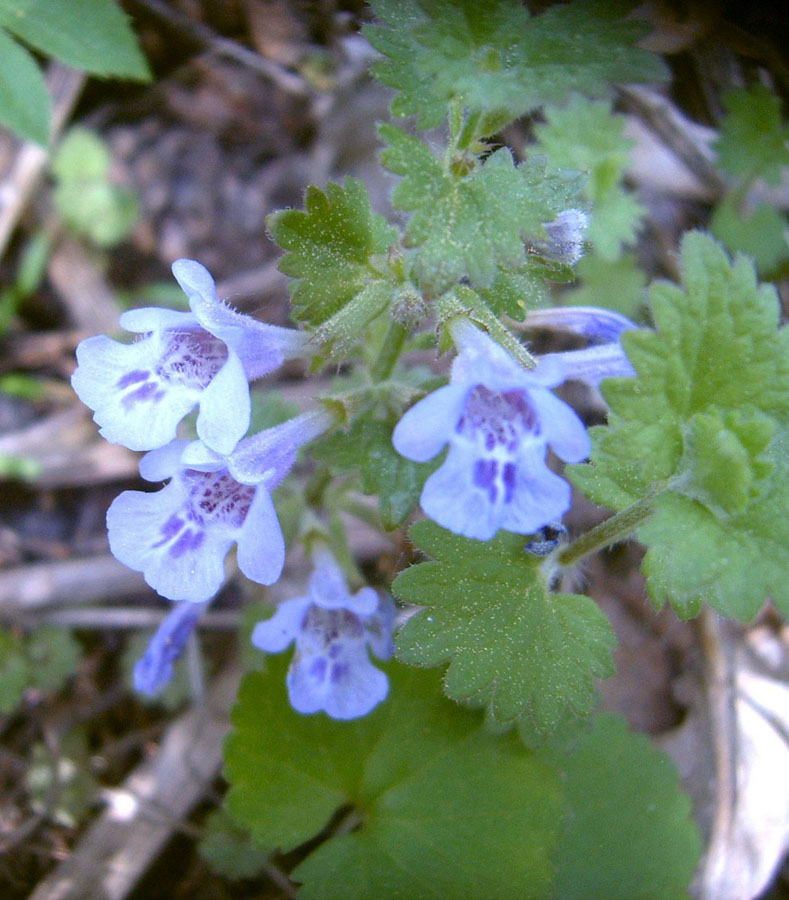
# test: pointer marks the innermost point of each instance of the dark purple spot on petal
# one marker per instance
(131, 378)
(484, 476)
(318, 668)
(169, 530)
(508, 476)
(188, 542)
(498, 418)
(217, 497)
(339, 672)
(148, 392)
(192, 358)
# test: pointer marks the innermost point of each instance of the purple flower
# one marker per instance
(333, 631)
(604, 358)
(498, 419)
(140, 392)
(178, 537)
(153, 670)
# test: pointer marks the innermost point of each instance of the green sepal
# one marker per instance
(440, 807)
(468, 224)
(340, 332)
(523, 652)
(330, 244)
(491, 57)
(693, 429)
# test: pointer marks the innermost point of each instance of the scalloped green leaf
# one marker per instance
(630, 835)
(760, 232)
(494, 59)
(754, 142)
(441, 807)
(525, 653)
(471, 223)
(694, 428)
(586, 135)
(330, 245)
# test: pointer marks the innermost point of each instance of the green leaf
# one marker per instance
(587, 136)
(229, 849)
(492, 58)
(330, 246)
(53, 655)
(24, 99)
(524, 652)
(367, 446)
(629, 834)
(694, 426)
(84, 197)
(761, 233)
(469, 224)
(753, 139)
(87, 34)
(441, 808)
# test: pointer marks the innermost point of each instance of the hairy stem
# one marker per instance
(620, 526)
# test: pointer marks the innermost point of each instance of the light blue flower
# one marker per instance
(605, 358)
(154, 669)
(140, 391)
(334, 631)
(178, 537)
(499, 420)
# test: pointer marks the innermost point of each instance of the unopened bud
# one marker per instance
(565, 242)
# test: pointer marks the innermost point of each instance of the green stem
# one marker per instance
(389, 352)
(620, 526)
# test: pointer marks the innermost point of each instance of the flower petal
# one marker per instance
(273, 635)
(261, 546)
(425, 428)
(225, 407)
(346, 687)
(132, 405)
(157, 318)
(164, 462)
(539, 498)
(154, 669)
(152, 533)
(451, 498)
(195, 280)
(329, 588)
(269, 455)
(562, 428)
(378, 628)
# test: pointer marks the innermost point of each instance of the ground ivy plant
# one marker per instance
(442, 739)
